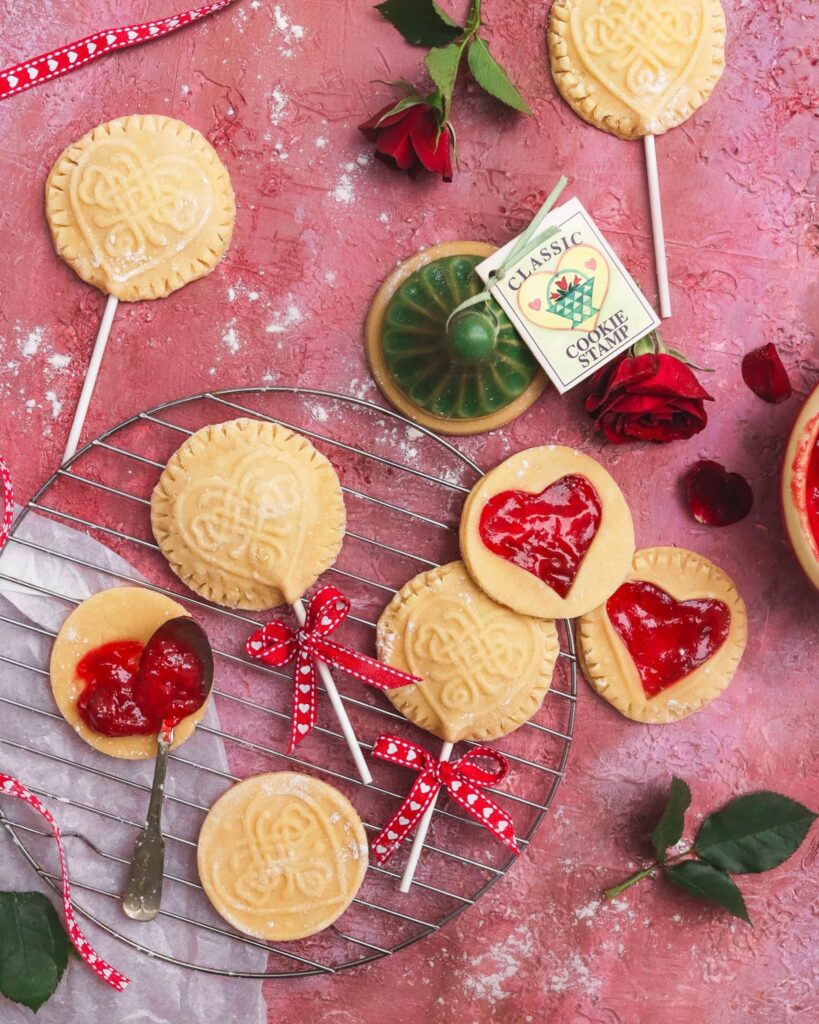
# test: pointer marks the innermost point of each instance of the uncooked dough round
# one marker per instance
(282, 856)
(122, 613)
(691, 583)
(140, 206)
(484, 669)
(248, 514)
(545, 493)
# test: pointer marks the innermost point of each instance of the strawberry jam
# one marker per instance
(128, 695)
(547, 534)
(666, 639)
(812, 492)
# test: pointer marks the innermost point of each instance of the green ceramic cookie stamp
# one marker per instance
(459, 375)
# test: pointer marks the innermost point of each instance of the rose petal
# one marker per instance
(765, 375)
(432, 148)
(716, 497)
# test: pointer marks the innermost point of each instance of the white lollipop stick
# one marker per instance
(91, 377)
(657, 226)
(338, 706)
(421, 831)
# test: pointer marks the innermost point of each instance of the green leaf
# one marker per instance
(753, 833)
(403, 104)
(442, 64)
(491, 77)
(33, 948)
(702, 880)
(669, 828)
(420, 22)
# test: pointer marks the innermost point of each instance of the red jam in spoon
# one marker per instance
(666, 639)
(812, 492)
(547, 534)
(125, 695)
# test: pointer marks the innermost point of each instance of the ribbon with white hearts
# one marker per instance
(59, 62)
(9, 786)
(7, 497)
(278, 643)
(463, 779)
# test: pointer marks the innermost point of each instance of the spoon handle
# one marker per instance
(143, 893)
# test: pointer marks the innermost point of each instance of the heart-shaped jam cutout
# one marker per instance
(547, 534)
(667, 639)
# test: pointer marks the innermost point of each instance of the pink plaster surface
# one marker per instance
(279, 89)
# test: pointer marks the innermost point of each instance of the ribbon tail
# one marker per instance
(485, 811)
(406, 818)
(362, 667)
(305, 685)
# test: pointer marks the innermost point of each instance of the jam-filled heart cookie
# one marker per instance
(668, 640)
(96, 677)
(547, 533)
(636, 67)
(484, 669)
(140, 206)
(282, 856)
(248, 514)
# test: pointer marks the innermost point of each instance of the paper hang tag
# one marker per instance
(570, 298)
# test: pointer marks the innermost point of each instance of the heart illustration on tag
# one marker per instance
(571, 296)
(666, 639)
(547, 534)
(640, 51)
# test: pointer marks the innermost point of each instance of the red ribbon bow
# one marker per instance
(278, 643)
(9, 786)
(463, 779)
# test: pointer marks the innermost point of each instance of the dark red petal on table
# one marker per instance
(765, 375)
(716, 497)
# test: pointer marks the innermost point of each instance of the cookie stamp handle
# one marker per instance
(338, 706)
(421, 831)
(657, 229)
(91, 377)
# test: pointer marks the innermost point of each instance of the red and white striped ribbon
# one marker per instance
(55, 63)
(9, 786)
(7, 497)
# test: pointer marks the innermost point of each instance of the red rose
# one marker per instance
(650, 397)
(411, 139)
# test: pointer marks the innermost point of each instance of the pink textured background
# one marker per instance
(279, 89)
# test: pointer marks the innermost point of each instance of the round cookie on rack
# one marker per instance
(126, 617)
(140, 206)
(248, 514)
(484, 669)
(470, 376)
(282, 856)
(547, 533)
(668, 640)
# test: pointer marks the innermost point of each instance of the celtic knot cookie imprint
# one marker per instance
(636, 67)
(484, 670)
(140, 206)
(248, 514)
(281, 856)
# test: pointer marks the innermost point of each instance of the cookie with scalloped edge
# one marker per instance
(668, 641)
(484, 669)
(636, 67)
(248, 514)
(140, 206)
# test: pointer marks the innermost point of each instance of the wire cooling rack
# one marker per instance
(404, 488)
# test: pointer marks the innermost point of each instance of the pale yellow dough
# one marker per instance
(636, 67)
(282, 856)
(484, 669)
(123, 613)
(605, 564)
(140, 206)
(607, 664)
(248, 514)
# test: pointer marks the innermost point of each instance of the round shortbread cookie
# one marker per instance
(484, 669)
(668, 641)
(122, 613)
(636, 67)
(282, 856)
(248, 514)
(140, 206)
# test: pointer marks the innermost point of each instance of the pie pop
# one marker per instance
(636, 68)
(137, 207)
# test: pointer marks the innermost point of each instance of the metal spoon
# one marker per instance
(143, 893)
